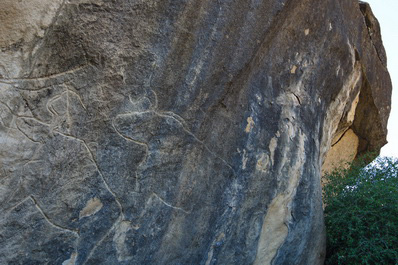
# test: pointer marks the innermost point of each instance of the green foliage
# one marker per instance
(361, 213)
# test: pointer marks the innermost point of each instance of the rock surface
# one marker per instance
(179, 132)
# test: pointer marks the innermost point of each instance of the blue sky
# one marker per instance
(386, 12)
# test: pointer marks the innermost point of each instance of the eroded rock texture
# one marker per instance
(179, 132)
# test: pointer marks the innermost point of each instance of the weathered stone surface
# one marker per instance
(179, 132)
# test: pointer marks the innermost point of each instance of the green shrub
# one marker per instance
(361, 213)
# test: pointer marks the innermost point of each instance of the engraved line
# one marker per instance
(120, 218)
(197, 139)
(75, 232)
(11, 81)
(169, 205)
(97, 167)
(18, 204)
(19, 129)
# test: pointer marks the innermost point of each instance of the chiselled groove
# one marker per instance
(68, 117)
(134, 113)
(195, 184)
(176, 117)
(103, 179)
(18, 204)
(4, 81)
(145, 145)
(35, 119)
(169, 205)
(49, 106)
(92, 158)
(154, 94)
(69, 73)
(27, 136)
(75, 232)
(23, 116)
(180, 121)
(90, 254)
(121, 216)
(4, 124)
(78, 96)
(38, 89)
(11, 196)
(196, 138)
(8, 107)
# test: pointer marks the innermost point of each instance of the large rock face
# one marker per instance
(179, 132)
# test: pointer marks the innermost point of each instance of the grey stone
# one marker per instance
(179, 132)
